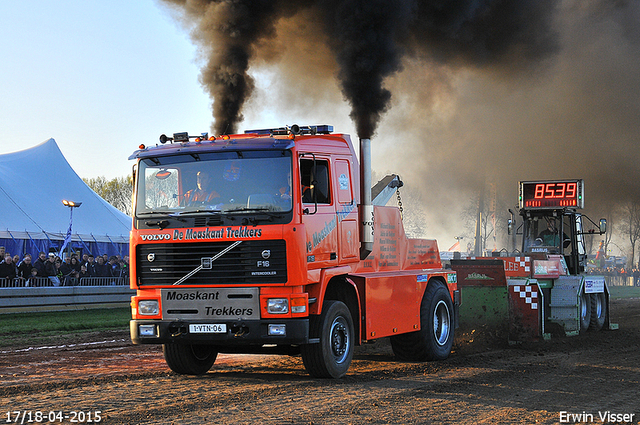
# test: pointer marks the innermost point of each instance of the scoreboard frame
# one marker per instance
(551, 194)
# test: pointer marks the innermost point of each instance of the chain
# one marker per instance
(400, 203)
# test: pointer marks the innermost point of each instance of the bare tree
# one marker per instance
(629, 226)
(493, 221)
(592, 243)
(118, 191)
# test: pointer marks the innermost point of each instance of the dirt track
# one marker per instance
(480, 383)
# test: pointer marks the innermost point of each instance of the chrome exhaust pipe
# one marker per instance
(366, 208)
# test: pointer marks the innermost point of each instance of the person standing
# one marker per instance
(40, 264)
(83, 272)
(51, 270)
(114, 266)
(7, 268)
(101, 268)
(25, 266)
(91, 266)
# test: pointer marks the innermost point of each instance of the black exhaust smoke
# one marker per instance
(368, 39)
(228, 33)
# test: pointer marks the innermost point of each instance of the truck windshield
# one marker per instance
(205, 183)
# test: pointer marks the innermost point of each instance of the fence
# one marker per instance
(42, 294)
(621, 281)
(39, 282)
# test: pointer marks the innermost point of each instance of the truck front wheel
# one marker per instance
(187, 359)
(332, 356)
(435, 338)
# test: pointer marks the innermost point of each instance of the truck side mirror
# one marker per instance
(603, 225)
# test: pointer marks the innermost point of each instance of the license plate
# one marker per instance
(208, 329)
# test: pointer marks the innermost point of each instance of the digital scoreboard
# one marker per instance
(546, 194)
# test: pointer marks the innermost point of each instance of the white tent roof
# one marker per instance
(33, 183)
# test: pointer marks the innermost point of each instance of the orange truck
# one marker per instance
(275, 241)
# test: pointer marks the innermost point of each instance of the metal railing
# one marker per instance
(621, 281)
(41, 282)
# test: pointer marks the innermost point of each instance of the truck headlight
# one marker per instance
(277, 330)
(147, 330)
(148, 308)
(278, 306)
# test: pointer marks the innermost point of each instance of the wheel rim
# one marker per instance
(598, 306)
(339, 339)
(583, 306)
(441, 323)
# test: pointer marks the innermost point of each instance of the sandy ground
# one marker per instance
(594, 376)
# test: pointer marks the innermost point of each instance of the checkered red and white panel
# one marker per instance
(528, 294)
(525, 263)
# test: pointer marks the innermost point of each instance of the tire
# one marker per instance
(598, 311)
(435, 338)
(332, 356)
(187, 359)
(585, 312)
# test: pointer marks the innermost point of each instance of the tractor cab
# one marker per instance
(551, 224)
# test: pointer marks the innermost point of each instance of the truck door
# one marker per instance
(318, 211)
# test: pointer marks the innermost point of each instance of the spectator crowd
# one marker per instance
(67, 272)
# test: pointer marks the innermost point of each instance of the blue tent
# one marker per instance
(33, 183)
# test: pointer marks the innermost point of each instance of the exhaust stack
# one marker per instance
(366, 208)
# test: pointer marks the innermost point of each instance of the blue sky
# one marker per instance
(100, 77)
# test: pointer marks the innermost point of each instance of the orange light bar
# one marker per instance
(141, 146)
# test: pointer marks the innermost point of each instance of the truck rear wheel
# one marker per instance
(585, 312)
(598, 311)
(187, 359)
(435, 338)
(332, 356)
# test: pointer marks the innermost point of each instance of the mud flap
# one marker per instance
(564, 304)
(526, 304)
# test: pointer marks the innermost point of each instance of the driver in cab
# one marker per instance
(551, 236)
(203, 193)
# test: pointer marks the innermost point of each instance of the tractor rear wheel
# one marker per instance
(585, 312)
(435, 338)
(598, 311)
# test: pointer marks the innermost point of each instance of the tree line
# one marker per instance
(118, 191)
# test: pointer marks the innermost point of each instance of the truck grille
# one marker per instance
(250, 262)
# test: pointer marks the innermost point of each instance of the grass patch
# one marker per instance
(624, 292)
(19, 328)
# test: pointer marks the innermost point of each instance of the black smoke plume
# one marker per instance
(368, 38)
